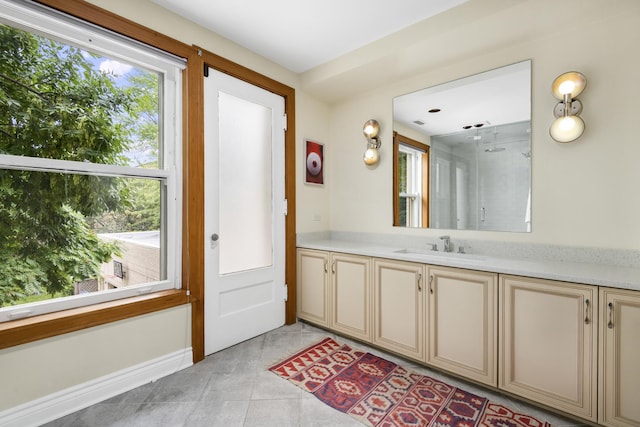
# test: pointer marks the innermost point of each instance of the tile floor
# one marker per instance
(233, 388)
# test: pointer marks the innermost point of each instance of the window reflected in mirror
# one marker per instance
(411, 182)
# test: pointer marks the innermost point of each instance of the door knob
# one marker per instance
(214, 237)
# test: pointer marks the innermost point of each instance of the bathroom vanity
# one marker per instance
(562, 334)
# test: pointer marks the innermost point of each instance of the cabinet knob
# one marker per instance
(419, 280)
(431, 284)
(610, 324)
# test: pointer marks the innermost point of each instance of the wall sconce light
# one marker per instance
(567, 126)
(371, 129)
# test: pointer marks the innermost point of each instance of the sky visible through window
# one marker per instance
(143, 151)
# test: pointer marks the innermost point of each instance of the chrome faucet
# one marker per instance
(447, 243)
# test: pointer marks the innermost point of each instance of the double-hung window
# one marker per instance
(410, 166)
(90, 164)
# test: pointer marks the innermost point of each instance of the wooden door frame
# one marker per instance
(195, 191)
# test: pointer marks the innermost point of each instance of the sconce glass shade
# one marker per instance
(571, 83)
(371, 156)
(566, 128)
(371, 129)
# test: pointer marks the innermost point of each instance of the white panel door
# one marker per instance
(244, 211)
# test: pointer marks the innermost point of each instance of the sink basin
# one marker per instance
(445, 255)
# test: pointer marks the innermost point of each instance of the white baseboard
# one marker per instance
(78, 397)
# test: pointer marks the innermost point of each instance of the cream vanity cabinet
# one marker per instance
(398, 306)
(334, 291)
(350, 295)
(463, 323)
(548, 343)
(313, 286)
(572, 347)
(619, 358)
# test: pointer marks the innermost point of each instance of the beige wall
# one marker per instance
(37, 369)
(584, 193)
(312, 201)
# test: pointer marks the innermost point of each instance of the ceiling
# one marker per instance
(301, 35)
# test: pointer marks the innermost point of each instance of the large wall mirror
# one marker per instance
(462, 153)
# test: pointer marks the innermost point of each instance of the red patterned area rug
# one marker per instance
(380, 393)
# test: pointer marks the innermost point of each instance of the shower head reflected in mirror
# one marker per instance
(494, 150)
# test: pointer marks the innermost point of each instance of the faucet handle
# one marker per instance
(434, 246)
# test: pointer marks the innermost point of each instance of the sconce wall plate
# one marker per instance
(371, 129)
(576, 108)
(567, 126)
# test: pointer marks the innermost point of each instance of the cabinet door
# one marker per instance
(619, 357)
(398, 312)
(312, 286)
(351, 295)
(462, 323)
(548, 343)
